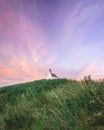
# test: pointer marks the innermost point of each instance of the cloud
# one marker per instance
(78, 23)
(76, 26)
(23, 48)
(20, 72)
(95, 69)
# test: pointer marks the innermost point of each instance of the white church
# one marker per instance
(51, 75)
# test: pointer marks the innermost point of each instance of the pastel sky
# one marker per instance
(64, 35)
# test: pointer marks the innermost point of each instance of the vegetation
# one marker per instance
(58, 104)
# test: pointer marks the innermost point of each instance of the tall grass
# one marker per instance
(58, 104)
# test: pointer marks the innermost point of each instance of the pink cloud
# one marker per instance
(95, 69)
(20, 72)
(23, 52)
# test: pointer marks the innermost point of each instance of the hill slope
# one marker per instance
(58, 104)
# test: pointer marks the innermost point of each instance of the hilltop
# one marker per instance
(58, 104)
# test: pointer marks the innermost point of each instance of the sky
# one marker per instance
(64, 35)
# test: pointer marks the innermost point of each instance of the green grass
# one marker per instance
(58, 104)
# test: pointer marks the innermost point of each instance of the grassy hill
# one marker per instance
(58, 104)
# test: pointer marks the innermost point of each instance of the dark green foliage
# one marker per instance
(58, 104)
